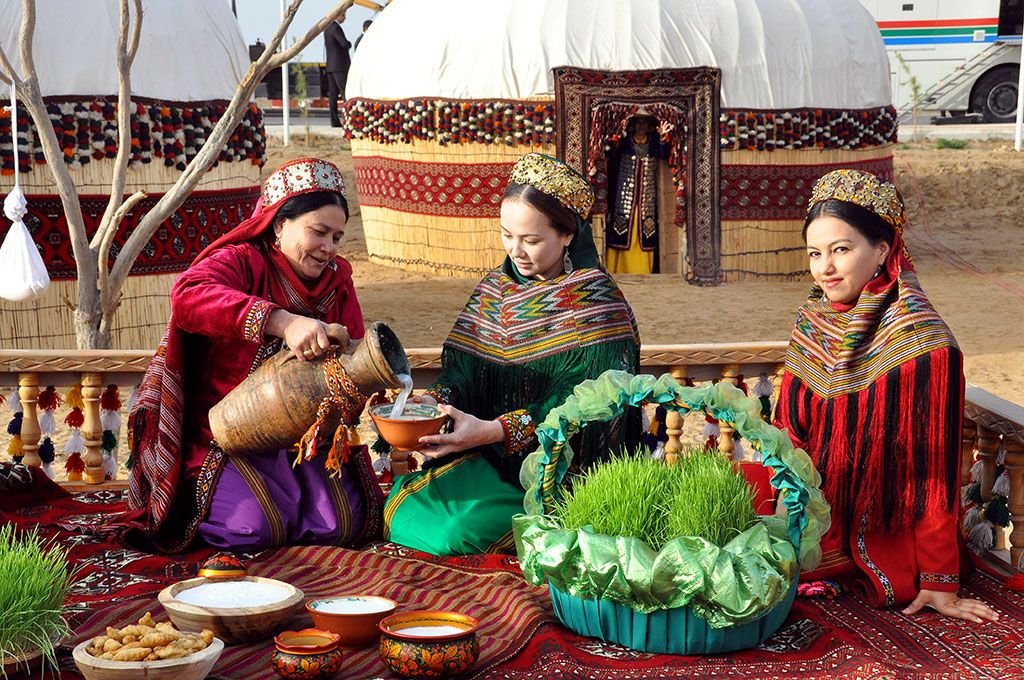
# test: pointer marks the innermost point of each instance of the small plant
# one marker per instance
(34, 579)
(943, 143)
(916, 92)
(302, 95)
(634, 495)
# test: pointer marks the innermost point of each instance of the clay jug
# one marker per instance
(274, 406)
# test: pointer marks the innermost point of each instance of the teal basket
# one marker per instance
(666, 631)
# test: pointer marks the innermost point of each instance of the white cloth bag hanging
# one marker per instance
(23, 275)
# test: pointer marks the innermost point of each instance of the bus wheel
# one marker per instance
(995, 95)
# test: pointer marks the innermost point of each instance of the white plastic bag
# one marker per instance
(23, 275)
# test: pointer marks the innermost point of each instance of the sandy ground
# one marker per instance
(966, 234)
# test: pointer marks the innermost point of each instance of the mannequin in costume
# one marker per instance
(632, 230)
(873, 391)
(274, 280)
(546, 320)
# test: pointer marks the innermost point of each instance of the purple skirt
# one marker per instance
(263, 502)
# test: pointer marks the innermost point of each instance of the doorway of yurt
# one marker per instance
(648, 142)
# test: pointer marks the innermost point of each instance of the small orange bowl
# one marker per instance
(353, 617)
(404, 433)
(429, 644)
(307, 654)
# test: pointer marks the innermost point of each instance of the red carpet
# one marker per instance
(843, 638)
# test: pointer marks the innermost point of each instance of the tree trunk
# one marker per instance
(87, 318)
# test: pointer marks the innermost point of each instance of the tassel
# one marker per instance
(381, 464)
(75, 443)
(1001, 486)
(972, 494)
(47, 423)
(340, 450)
(981, 537)
(412, 463)
(16, 448)
(997, 512)
(75, 466)
(73, 397)
(110, 399)
(75, 419)
(46, 451)
(971, 518)
(659, 451)
(1001, 454)
(110, 420)
(48, 399)
(14, 401)
(109, 441)
(14, 427)
(381, 446)
(977, 470)
(109, 465)
(48, 471)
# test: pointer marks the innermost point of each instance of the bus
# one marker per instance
(964, 55)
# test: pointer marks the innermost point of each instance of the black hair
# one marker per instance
(308, 202)
(366, 24)
(871, 226)
(561, 218)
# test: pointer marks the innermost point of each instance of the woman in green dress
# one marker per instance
(546, 320)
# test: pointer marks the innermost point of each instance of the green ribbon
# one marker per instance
(735, 583)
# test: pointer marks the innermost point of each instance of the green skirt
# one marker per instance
(459, 508)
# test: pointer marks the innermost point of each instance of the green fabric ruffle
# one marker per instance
(726, 585)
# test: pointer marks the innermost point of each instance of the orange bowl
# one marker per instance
(404, 433)
(429, 644)
(353, 617)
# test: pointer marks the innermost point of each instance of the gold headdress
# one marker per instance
(863, 189)
(556, 179)
(301, 176)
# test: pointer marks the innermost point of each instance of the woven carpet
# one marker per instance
(842, 638)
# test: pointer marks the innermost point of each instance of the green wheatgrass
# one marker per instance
(634, 495)
(34, 579)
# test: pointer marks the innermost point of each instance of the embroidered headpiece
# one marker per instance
(554, 178)
(302, 176)
(863, 189)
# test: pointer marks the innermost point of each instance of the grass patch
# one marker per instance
(634, 495)
(943, 143)
(34, 579)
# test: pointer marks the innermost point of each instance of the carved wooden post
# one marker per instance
(399, 462)
(674, 422)
(988, 449)
(968, 442)
(92, 430)
(28, 392)
(730, 374)
(1015, 468)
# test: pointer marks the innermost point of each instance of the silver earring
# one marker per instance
(878, 272)
(566, 262)
(277, 242)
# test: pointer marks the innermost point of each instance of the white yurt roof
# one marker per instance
(774, 54)
(189, 50)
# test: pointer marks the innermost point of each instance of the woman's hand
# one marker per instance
(423, 399)
(949, 604)
(306, 337)
(468, 432)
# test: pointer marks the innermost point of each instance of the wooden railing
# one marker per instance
(993, 427)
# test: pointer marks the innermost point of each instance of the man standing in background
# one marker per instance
(338, 62)
(366, 25)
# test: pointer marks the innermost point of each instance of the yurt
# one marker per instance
(190, 58)
(763, 97)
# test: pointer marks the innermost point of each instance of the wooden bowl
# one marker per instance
(192, 667)
(232, 622)
(353, 617)
(408, 648)
(404, 433)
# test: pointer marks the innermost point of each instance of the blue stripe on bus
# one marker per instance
(939, 40)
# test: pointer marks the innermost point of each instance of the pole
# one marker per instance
(285, 87)
(1020, 99)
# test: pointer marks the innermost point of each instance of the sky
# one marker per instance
(260, 19)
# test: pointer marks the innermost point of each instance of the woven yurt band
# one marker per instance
(302, 176)
(556, 179)
(862, 189)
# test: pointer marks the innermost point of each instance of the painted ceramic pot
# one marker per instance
(429, 644)
(306, 654)
(222, 566)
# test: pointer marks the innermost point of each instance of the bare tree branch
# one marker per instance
(190, 177)
(133, 44)
(6, 68)
(113, 214)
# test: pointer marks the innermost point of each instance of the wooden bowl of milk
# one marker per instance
(353, 617)
(236, 610)
(429, 644)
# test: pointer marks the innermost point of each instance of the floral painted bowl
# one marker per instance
(353, 617)
(404, 433)
(306, 654)
(428, 644)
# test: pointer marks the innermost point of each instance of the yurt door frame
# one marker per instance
(588, 107)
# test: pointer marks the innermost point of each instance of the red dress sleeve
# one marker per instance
(208, 298)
